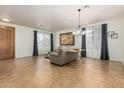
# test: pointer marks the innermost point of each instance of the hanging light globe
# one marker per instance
(78, 30)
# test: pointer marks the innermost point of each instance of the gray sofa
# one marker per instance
(63, 57)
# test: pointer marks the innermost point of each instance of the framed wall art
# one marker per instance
(67, 39)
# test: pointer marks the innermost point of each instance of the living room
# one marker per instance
(84, 45)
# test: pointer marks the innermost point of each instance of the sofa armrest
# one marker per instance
(54, 54)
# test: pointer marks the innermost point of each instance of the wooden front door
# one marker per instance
(7, 42)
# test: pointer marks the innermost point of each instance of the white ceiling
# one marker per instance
(58, 17)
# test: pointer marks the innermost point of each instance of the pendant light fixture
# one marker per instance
(78, 30)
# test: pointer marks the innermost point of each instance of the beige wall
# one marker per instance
(123, 39)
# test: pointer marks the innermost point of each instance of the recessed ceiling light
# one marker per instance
(5, 19)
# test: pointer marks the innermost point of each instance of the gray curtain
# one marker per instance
(83, 53)
(51, 42)
(35, 48)
(104, 45)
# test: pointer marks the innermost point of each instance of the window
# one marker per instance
(43, 42)
(93, 41)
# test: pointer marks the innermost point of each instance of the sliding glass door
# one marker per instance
(43, 42)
